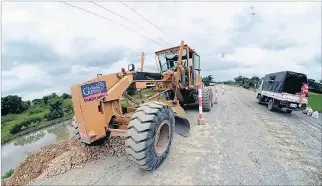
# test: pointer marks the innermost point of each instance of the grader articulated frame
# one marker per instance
(149, 124)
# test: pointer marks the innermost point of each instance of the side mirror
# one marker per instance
(131, 67)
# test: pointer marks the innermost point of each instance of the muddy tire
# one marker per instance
(75, 129)
(259, 99)
(206, 100)
(150, 134)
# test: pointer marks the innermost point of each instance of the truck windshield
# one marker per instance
(169, 60)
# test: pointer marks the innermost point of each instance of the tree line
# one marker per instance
(13, 104)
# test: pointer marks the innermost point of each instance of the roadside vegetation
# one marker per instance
(315, 101)
(20, 117)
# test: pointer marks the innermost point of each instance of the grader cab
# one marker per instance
(104, 105)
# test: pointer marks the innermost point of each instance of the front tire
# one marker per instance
(149, 136)
(259, 99)
(270, 105)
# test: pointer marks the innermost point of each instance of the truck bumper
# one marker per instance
(292, 106)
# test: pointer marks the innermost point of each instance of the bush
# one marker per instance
(29, 121)
(15, 129)
(56, 109)
(68, 107)
(8, 174)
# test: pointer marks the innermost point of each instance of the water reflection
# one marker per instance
(24, 140)
(61, 133)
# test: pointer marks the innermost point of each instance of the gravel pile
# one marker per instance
(56, 159)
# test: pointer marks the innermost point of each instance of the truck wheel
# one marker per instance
(206, 100)
(270, 105)
(150, 134)
(75, 129)
(259, 99)
(288, 111)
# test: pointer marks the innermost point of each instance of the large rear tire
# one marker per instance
(212, 97)
(150, 134)
(206, 100)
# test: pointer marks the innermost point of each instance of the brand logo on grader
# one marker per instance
(94, 91)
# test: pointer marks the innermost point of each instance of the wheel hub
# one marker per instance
(162, 138)
(270, 103)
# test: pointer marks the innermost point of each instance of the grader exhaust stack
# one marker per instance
(117, 103)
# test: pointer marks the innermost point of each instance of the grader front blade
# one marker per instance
(182, 126)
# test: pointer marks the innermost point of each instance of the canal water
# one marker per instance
(17, 150)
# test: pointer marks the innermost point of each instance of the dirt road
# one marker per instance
(243, 143)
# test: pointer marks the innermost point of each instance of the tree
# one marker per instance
(49, 97)
(13, 104)
(68, 107)
(56, 109)
(311, 82)
(36, 102)
(66, 96)
(207, 80)
(314, 86)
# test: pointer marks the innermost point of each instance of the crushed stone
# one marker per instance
(55, 159)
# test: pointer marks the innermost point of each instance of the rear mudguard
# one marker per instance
(182, 126)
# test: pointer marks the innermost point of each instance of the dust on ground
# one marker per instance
(55, 159)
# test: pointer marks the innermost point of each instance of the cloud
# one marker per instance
(17, 52)
(60, 45)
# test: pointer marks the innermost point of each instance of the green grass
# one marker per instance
(10, 120)
(315, 101)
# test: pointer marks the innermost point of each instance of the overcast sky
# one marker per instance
(49, 46)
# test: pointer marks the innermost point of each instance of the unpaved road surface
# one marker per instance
(242, 143)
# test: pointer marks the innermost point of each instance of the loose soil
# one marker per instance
(56, 159)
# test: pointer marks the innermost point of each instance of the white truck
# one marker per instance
(283, 90)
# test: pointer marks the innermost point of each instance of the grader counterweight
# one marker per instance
(103, 105)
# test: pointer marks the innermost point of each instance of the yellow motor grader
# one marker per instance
(103, 105)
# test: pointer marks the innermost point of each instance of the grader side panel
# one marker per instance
(92, 112)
